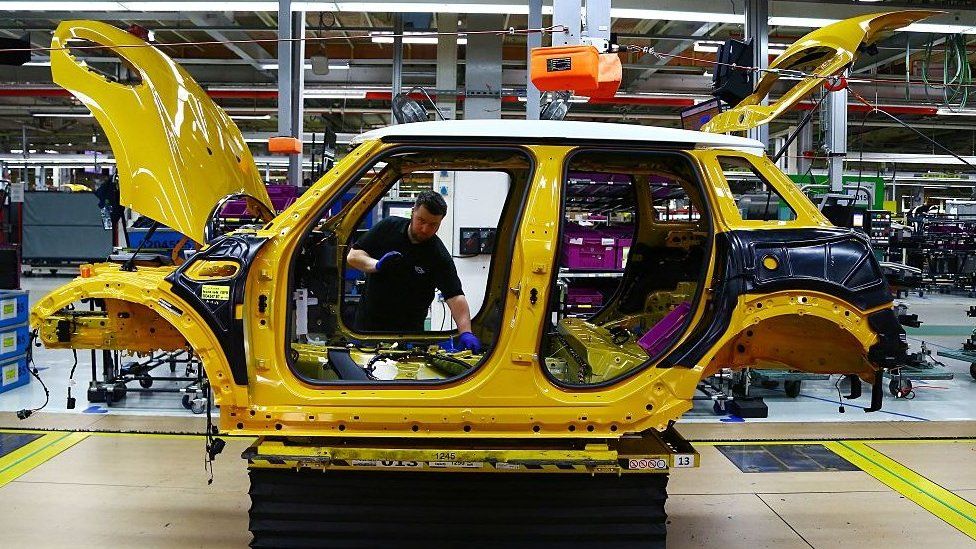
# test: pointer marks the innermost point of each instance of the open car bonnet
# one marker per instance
(822, 53)
(177, 152)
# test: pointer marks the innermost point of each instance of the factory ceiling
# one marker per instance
(241, 76)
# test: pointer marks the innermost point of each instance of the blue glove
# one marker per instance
(470, 342)
(389, 258)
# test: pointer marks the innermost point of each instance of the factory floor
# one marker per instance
(104, 489)
(133, 474)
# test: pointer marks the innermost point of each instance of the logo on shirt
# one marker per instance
(420, 270)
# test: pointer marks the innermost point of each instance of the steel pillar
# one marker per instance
(596, 24)
(397, 77)
(291, 81)
(532, 104)
(757, 30)
(836, 139)
(567, 13)
(447, 57)
(804, 143)
(483, 68)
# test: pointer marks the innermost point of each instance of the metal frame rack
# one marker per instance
(593, 196)
(943, 246)
(116, 377)
(968, 351)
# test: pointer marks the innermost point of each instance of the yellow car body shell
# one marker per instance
(179, 175)
(509, 394)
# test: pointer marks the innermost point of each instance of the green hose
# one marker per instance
(956, 72)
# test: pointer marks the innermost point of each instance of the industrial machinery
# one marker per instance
(559, 430)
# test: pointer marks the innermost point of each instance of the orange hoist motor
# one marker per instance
(284, 145)
(582, 69)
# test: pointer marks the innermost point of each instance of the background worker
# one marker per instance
(404, 261)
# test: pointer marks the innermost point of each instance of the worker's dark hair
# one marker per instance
(434, 202)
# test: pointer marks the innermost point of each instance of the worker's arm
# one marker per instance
(460, 312)
(359, 259)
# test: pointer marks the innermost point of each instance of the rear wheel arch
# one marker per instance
(806, 331)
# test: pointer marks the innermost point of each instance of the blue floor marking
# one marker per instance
(95, 410)
(11, 441)
(785, 458)
(733, 419)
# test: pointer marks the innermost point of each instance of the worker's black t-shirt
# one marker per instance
(397, 298)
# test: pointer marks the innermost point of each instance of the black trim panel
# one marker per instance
(219, 314)
(834, 261)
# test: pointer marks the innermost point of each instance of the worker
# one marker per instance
(404, 261)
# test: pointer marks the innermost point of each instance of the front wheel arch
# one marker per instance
(169, 307)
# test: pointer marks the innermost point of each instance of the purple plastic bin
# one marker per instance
(623, 237)
(286, 191)
(583, 298)
(663, 334)
(588, 249)
(281, 197)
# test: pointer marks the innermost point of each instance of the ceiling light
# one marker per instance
(61, 6)
(428, 7)
(418, 7)
(949, 111)
(805, 22)
(411, 38)
(38, 63)
(669, 15)
(940, 29)
(251, 116)
(335, 94)
(201, 6)
(711, 46)
(62, 115)
(338, 66)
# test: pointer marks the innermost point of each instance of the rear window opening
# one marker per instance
(633, 253)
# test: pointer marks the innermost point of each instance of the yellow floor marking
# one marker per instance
(31, 455)
(933, 498)
(34, 431)
(823, 441)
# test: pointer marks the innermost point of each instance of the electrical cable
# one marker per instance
(214, 445)
(902, 123)
(840, 400)
(71, 380)
(32, 368)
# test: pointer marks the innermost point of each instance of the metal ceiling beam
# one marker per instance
(657, 63)
(891, 59)
(252, 53)
(757, 31)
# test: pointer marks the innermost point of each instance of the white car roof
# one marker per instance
(559, 129)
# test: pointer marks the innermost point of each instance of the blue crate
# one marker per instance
(13, 307)
(162, 239)
(13, 373)
(14, 341)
